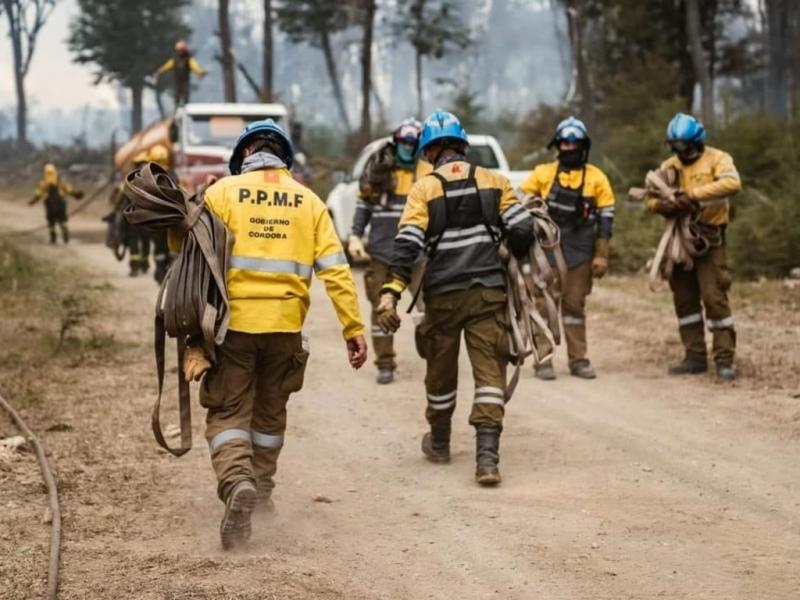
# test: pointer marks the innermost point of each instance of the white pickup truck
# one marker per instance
(484, 150)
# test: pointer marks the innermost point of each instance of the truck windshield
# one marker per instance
(220, 130)
(482, 156)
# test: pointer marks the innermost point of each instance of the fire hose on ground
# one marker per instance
(52, 493)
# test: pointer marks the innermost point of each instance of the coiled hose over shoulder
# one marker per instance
(533, 280)
(193, 298)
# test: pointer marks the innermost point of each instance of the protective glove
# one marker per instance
(600, 260)
(666, 208)
(195, 363)
(78, 194)
(356, 249)
(683, 202)
(599, 267)
(386, 313)
(32, 201)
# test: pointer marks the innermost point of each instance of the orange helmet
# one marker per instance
(181, 47)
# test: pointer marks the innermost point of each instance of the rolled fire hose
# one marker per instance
(532, 281)
(684, 239)
(193, 298)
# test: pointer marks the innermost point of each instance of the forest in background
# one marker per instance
(513, 68)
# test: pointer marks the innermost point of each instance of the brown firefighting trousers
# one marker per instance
(707, 283)
(374, 278)
(577, 287)
(246, 394)
(480, 313)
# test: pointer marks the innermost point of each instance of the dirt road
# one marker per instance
(631, 486)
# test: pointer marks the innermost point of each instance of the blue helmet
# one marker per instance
(571, 130)
(441, 125)
(685, 128)
(268, 129)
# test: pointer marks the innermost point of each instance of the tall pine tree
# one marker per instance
(126, 41)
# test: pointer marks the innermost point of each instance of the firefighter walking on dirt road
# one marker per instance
(53, 189)
(581, 202)
(283, 234)
(457, 215)
(387, 178)
(708, 178)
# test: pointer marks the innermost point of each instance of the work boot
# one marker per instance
(544, 371)
(385, 375)
(235, 526)
(436, 443)
(53, 236)
(487, 454)
(582, 369)
(726, 372)
(688, 366)
(65, 234)
(134, 270)
(264, 502)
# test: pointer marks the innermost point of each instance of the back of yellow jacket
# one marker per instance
(283, 232)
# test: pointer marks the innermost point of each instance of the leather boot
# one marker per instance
(487, 454)
(234, 529)
(436, 443)
(688, 366)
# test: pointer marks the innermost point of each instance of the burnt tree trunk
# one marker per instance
(330, 64)
(699, 63)
(266, 54)
(366, 68)
(226, 56)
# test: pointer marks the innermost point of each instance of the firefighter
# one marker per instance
(457, 215)
(708, 178)
(138, 241)
(160, 155)
(53, 189)
(381, 210)
(182, 64)
(283, 233)
(580, 200)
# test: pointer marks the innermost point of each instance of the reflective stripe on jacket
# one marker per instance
(283, 232)
(711, 180)
(458, 220)
(578, 236)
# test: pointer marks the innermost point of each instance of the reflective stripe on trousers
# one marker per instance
(443, 401)
(690, 319)
(489, 395)
(257, 438)
(726, 323)
(267, 440)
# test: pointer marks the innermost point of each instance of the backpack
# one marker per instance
(378, 178)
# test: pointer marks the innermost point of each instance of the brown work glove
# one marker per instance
(356, 249)
(667, 209)
(386, 313)
(195, 363)
(600, 260)
(683, 202)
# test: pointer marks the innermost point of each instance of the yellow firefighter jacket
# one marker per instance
(456, 214)
(710, 180)
(596, 187)
(282, 232)
(383, 218)
(194, 66)
(51, 178)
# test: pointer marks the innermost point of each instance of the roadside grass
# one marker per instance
(49, 323)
